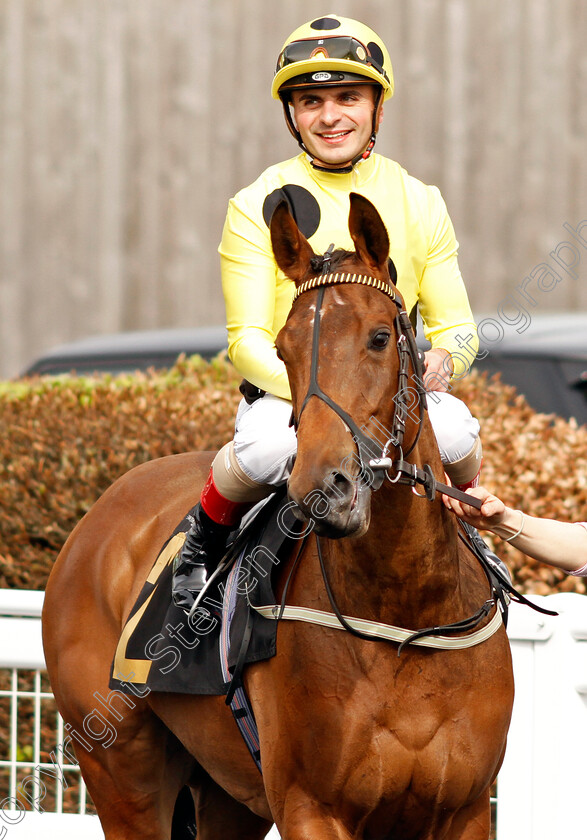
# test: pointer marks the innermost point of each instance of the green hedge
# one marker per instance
(64, 440)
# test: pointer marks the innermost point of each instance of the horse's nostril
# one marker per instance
(339, 485)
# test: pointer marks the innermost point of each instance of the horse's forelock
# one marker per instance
(337, 258)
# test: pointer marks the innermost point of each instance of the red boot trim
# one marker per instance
(220, 509)
(470, 484)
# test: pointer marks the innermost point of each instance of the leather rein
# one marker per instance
(375, 466)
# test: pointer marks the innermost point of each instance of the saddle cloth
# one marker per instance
(161, 649)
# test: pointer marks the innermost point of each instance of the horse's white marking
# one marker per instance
(336, 297)
(333, 299)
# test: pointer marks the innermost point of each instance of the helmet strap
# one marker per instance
(348, 167)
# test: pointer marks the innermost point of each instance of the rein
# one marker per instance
(405, 473)
(383, 632)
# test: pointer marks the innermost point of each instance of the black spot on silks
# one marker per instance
(302, 204)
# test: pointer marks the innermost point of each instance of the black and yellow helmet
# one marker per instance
(333, 51)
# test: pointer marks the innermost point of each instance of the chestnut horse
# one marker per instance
(356, 741)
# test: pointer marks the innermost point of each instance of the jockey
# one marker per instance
(333, 76)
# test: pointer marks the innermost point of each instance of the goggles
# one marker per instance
(346, 48)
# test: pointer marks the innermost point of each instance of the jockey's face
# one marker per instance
(335, 123)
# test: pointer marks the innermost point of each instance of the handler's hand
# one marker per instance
(492, 511)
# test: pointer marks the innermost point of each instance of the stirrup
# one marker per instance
(204, 544)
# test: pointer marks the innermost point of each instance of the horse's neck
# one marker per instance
(408, 561)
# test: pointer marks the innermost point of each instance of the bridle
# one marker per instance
(375, 461)
(376, 464)
(378, 468)
(374, 458)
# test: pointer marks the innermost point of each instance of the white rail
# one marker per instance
(32, 802)
(539, 787)
(541, 784)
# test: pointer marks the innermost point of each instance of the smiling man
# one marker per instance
(332, 76)
(335, 124)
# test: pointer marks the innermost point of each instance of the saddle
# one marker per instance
(162, 649)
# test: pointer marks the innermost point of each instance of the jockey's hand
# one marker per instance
(492, 511)
(438, 369)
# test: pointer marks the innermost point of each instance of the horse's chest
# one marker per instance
(393, 735)
(392, 767)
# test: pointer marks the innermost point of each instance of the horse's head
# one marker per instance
(340, 347)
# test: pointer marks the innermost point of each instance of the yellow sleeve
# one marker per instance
(249, 282)
(444, 304)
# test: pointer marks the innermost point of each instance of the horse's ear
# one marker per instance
(292, 250)
(368, 232)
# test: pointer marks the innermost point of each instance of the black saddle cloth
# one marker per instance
(161, 649)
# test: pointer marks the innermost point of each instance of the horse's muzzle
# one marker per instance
(339, 507)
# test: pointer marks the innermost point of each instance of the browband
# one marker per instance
(332, 279)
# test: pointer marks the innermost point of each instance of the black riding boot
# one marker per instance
(204, 546)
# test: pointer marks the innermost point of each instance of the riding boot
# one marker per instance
(203, 547)
(215, 517)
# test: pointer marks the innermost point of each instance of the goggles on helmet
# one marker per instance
(346, 48)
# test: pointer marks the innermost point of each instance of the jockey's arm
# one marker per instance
(257, 303)
(444, 304)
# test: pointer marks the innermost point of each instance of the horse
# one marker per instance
(358, 739)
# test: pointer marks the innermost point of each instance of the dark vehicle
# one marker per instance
(129, 351)
(547, 362)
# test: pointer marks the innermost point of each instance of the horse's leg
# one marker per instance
(309, 821)
(133, 766)
(220, 817)
(472, 823)
(134, 782)
(206, 728)
(300, 817)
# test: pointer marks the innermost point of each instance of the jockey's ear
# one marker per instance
(368, 233)
(292, 250)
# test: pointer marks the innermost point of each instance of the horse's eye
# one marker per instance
(279, 356)
(380, 340)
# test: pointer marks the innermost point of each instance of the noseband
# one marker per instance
(374, 458)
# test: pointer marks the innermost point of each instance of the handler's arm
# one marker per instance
(560, 544)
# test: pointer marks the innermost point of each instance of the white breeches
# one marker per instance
(265, 444)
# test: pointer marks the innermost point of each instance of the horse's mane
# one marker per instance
(339, 256)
